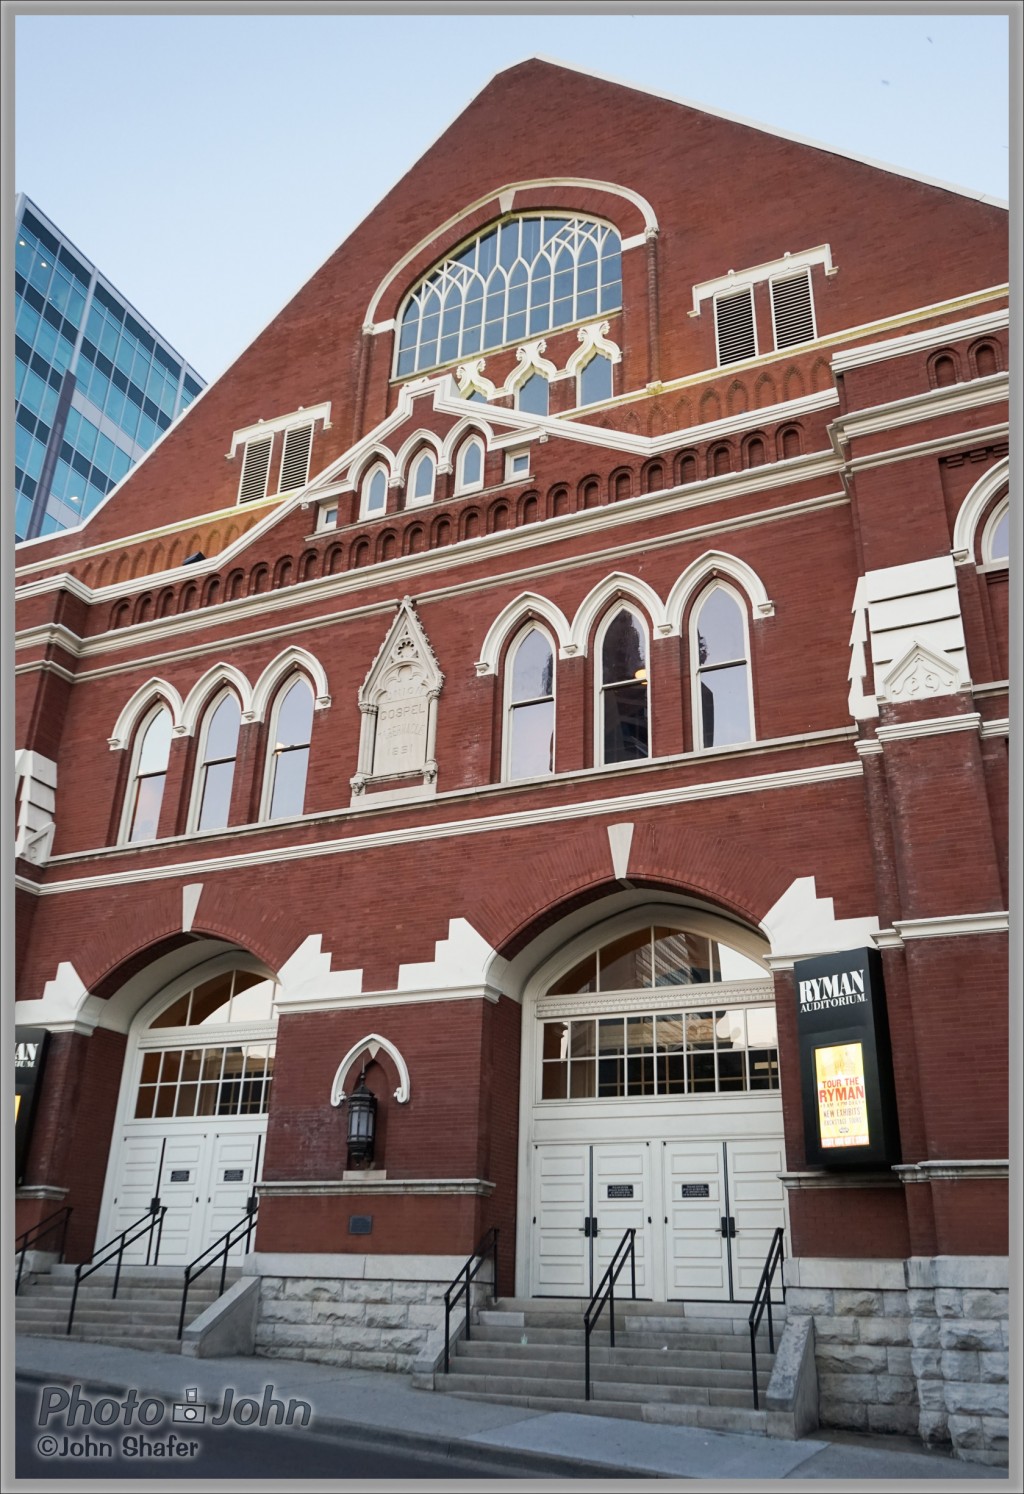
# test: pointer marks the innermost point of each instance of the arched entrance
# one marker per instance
(192, 1111)
(650, 1099)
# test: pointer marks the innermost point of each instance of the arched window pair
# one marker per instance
(289, 734)
(594, 383)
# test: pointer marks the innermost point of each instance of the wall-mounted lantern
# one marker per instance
(362, 1123)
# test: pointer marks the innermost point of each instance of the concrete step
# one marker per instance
(108, 1314)
(602, 1354)
(625, 1337)
(163, 1344)
(137, 1275)
(688, 1309)
(711, 1418)
(619, 1390)
(621, 1371)
(87, 1292)
(628, 1312)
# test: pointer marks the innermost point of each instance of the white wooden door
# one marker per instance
(696, 1252)
(560, 1265)
(757, 1204)
(233, 1159)
(621, 1201)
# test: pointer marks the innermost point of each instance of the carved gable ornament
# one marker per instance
(920, 673)
(398, 702)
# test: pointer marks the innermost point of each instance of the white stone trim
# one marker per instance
(301, 416)
(374, 1043)
(36, 795)
(614, 588)
(620, 840)
(66, 1005)
(973, 507)
(354, 1267)
(292, 660)
(925, 405)
(1000, 727)
(703, 571)
(830, 1180)
(867, 746)
(218, 675)
(912, 450)
(593, 343)
(529, 361)
(418, 438)
(934, 727)
(330, 1187)
(306, 981)
(586, 809)
(736, 280)
(917, 342)
(930, 1172)
(801, 923)
(963, 924)
(516, 614)
(824, 1272)
(145, 697)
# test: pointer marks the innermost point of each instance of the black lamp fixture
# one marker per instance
(362, 1123)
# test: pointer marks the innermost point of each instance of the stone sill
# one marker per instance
(839, 1180)
(318, 1188)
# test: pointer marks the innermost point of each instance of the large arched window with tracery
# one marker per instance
(523, 277)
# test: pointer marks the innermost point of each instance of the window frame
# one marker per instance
(461, 485)
(199, 774)
(509, 706)
(131, 787)
(600, 687)
(696, 669)
(272, 756)
(424, 454)
(365, 484)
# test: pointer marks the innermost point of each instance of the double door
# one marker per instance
(204, 1173)
(704, 1214)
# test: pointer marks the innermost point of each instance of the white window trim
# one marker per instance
(599, 686)
(323, 519)
(365, 512)
(461, 485)
(302, 416)
(782, 268)
(198, 775)
(511, 475)
(726, 295)
(423, 500)
(773, 280)
(695, 672)
(143, 724)
(990, 561)
(506, 717)
(270, 765)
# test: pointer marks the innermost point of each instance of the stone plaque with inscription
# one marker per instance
(398, 702)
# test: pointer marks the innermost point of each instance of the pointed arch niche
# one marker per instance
(369, 1047)
(398, 702)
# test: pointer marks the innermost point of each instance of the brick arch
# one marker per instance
(737, 400)
(733, 877)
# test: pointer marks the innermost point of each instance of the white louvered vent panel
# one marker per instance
(295, 462)
(792, 310)
(254, 470)
(734, 325)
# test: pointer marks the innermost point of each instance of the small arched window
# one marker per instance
(594, 383)
(623, 733)
(215, 772)
(470, 466)
(375, 492)
(291, 727)
(422, 489)
(532, 395)
(530, 717)
(722, 702)
(149, 774)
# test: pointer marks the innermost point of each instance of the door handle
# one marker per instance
(728, 1227)
(589, 1227)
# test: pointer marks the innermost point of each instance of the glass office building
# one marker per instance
(95, 384)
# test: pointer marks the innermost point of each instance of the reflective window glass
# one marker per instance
(472, 464)
(423, 482)
(217, 769)
(1000, 542)
(377, 492)
(290, 753)
(533, 395)
(150, 775)
(624, 690)
(595, 381)
(722, 671)
(531, 723)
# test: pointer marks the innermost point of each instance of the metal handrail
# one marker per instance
(488, 1247)
(763, 1299)
(245, 1227)
(153, 1220)
(32, 1236)
(606, 1293)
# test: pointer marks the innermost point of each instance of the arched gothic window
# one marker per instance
(722, 701)
(996, 539)
(291, 726)
(470, 467)
(532, 395)
(594, 383)
(520, 278)
(375, 492)
(623, 733)
(149, 774)
(422, 489)
(218, 749)
(530, 717)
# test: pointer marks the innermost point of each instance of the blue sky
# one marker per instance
(208, 164)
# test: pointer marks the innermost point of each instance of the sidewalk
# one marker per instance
(385, 1407)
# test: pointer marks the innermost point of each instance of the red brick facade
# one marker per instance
(795, 477)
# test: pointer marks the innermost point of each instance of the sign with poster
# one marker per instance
(30, 1044)
(849, 1097)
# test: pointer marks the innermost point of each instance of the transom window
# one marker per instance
(234, 996)
(524, 277)
(656, 956)
(713, 1051)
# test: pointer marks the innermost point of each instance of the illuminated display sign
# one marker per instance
(849, 1098)
(30, 1044)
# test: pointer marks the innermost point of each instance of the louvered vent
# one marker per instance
(734, 324)
(295, 462)
(254, 470)
(792, 311)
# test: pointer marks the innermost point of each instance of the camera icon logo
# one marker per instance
(191, 1410)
